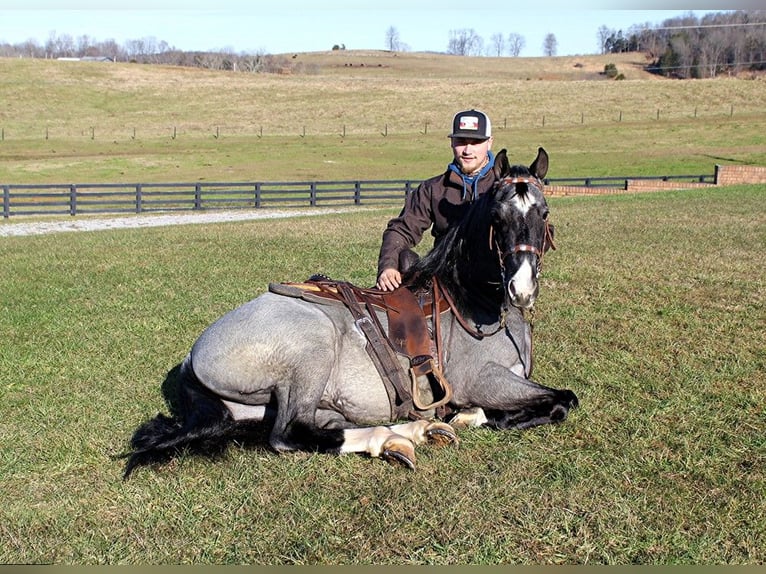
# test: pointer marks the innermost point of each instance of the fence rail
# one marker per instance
(95, 198)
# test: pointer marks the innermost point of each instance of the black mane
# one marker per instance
(463, 260)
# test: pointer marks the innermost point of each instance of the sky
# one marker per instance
(284, 26)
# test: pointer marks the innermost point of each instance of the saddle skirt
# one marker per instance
(423, 388)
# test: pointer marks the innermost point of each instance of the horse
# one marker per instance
(301, 371)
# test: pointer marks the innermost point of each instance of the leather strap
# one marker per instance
(381, 354)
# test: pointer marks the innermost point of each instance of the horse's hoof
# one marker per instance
(441, 434)
(396, 458)
(399, 451)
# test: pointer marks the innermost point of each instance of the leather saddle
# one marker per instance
(422, 387)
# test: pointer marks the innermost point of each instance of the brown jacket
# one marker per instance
(438, 202)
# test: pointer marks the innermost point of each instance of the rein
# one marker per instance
(474, 332)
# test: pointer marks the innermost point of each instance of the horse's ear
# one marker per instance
(539, 167)
(501, 167)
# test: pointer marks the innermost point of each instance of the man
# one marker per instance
(441, 200)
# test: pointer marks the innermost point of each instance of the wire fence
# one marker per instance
(53, 130)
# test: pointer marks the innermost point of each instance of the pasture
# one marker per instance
(651, 309)
(78, 122)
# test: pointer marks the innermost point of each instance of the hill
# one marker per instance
(438, 65)
(362, 114)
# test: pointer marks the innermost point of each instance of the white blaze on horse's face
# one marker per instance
(524, 202)
(523, 286)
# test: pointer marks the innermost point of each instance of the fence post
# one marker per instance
(6, 201)
(198, 196)
(313, 194)
(72, 199)
(139, 198)
(357, 193)
(257, 195)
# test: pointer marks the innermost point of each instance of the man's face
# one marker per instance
(470, 154)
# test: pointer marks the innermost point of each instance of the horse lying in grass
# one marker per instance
(304, 368)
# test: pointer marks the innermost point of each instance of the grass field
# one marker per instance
(133, 123)
(652, 310)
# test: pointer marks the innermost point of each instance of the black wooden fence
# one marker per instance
(94, 198)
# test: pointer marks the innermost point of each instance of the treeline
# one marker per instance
(151, 51)
(682, 47)
(691, 47)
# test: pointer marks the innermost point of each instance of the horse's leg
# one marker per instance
(465, 418)
(510, 401)
(394, 444)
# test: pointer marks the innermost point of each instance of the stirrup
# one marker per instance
(426, 367)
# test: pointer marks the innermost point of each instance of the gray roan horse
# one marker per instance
(302, 368)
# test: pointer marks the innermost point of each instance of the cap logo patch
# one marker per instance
(469, 123)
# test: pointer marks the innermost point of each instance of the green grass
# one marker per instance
(651, 310)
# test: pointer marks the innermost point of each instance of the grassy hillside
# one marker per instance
(363, 115)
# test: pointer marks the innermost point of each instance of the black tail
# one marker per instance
(204, 426)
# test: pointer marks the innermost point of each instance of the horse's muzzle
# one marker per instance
(523, 287)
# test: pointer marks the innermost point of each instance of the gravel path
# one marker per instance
(88, 224)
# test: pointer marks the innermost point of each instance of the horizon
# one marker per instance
(290, 29)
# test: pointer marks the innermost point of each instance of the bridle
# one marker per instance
(439, 292)
(524, 247)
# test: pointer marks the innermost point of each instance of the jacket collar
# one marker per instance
(471, 181)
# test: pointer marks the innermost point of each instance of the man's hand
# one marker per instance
(389, 279)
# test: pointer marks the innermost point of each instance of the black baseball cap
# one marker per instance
(471, 124)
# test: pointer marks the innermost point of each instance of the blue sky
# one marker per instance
(282, 26)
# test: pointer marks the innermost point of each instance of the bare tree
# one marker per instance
(393, 41)
(497, 46)
(464, 42)
(712, 52)
(516, 43)
(603, 36)
(550, 45)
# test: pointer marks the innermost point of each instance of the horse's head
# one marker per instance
(520, 232)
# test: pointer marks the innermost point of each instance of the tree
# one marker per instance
(516, 43)
(603, 36)
(393, 42)
(497, 45)
(712, 52)
(550, 45)
(464, 42)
